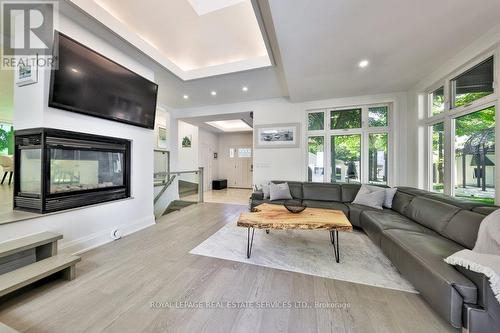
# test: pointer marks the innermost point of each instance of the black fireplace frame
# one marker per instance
(48, 138)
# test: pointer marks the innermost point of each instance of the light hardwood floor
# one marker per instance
(117, 283)
(237, 196)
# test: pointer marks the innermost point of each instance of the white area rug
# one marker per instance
(308, 252)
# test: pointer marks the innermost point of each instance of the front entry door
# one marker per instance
(236, 166)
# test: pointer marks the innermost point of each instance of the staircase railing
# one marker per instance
(165, 186)
(188, 183)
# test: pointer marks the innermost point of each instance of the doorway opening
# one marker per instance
(223, 146)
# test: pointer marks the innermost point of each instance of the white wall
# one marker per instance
(290, 163)
(188, 157)
(89, 227)
(235, 139)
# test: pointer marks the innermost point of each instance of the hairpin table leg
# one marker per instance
(249, 242)
(334, 238)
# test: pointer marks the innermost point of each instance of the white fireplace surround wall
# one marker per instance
(89, 227)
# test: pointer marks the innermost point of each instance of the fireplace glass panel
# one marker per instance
(30, 180)
(79, 170)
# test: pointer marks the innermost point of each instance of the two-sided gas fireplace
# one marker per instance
(57, 170)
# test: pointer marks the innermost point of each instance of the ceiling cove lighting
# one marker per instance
(213, 93)
(245, 89)
(363, 63)
(236, 125)
(185, 96)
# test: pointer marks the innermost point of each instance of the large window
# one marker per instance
(437, 134)
(475, 156)
(378, 116)
(346, 158)
(315, 156)
(316, 121)
(353, 148)
(437, 100)
(6, 139)
(345, 119)
(377, 158)
(461, 144)
(473, 84)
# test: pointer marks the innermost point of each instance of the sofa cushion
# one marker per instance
(370, 197)
(462, 203)
(257, 195)
(279, 192)
(356, 210)
(463, 228)
(485, 210)
(349, 192)
(401, 201)
(419, 257)
(295, 188)
(412, 191)
(431, 213)
(375, 222)
(322, 192)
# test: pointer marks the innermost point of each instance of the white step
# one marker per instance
(30, 242)
(26, 275)
(6, 329)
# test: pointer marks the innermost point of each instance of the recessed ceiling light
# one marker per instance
(235, 125)
(74, 70)
(363, 63)
(185, 96)
(213, 93)
(244, 88)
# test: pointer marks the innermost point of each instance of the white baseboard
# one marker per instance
(87, 243)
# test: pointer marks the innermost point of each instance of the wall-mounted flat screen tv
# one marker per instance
(89, 83)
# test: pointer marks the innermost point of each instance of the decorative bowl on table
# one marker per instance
(294, 206)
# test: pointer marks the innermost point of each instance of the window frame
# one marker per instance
(430, 99)
(452, 82)
(324, 152)
(449, 116)
(430, 156)
(365, 130)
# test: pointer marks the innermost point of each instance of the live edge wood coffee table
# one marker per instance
(277, 217)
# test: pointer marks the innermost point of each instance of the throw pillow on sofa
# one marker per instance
(265, 190)
(279, 191)
(389, 193)
(370, 197)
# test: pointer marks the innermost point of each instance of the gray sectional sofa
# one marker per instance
(420, 230)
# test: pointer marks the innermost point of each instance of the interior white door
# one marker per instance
(235, 165)
(207, 164)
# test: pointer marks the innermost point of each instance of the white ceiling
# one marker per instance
(317, 45)
(201, 121)
(322, 42)
(203, 7)
(191, 38)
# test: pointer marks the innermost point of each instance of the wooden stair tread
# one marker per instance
(6, 329)
(28, 242)
(31, 273)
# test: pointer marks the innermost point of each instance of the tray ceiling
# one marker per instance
(191, 38)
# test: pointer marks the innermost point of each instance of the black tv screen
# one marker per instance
(89, 83)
